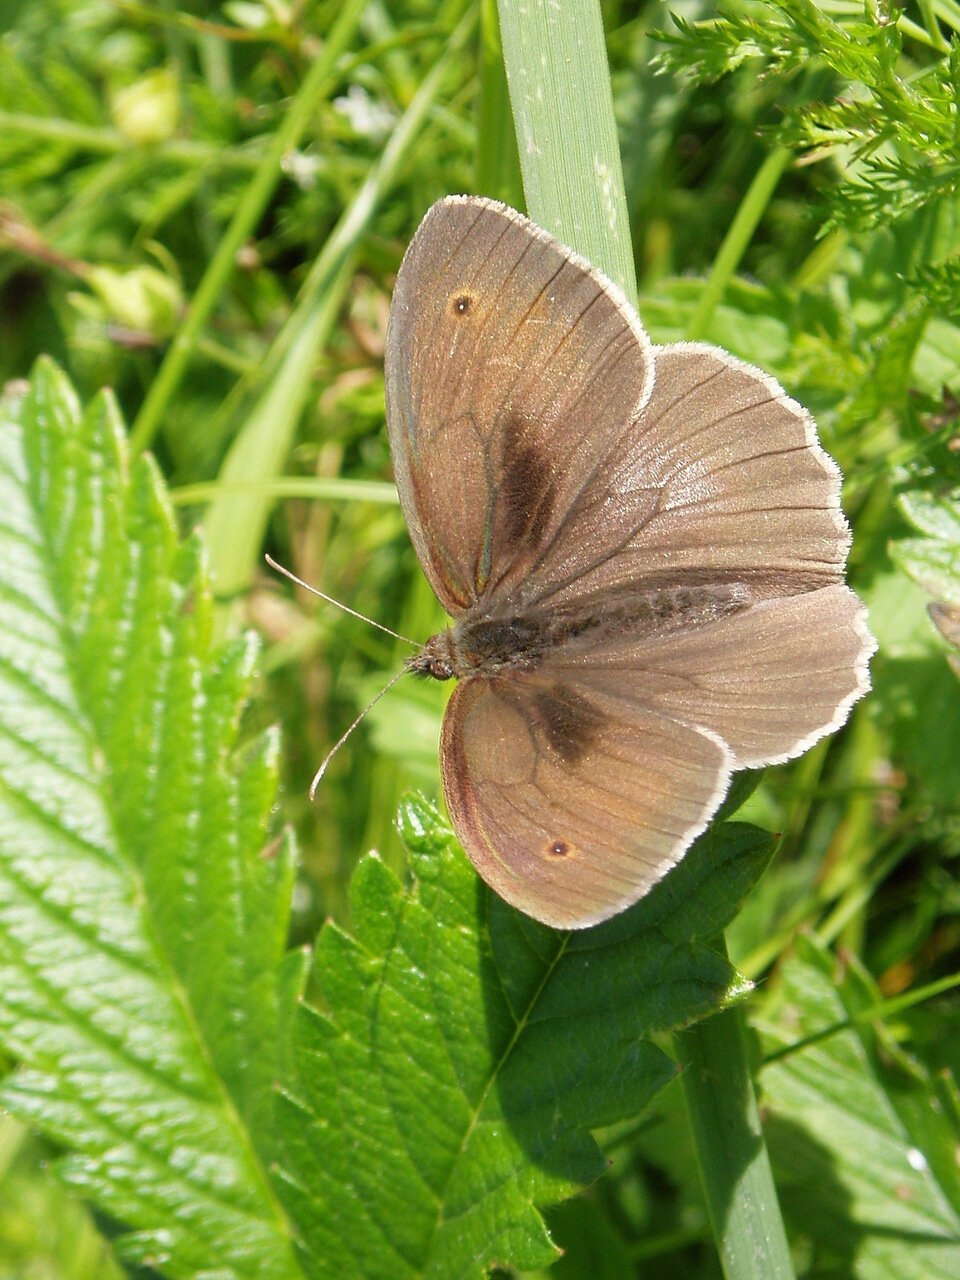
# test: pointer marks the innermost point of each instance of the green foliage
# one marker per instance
(896, 125)
(141, 932)
(933, 559)
(856, 1131)
(465, 1051)
(203, 207)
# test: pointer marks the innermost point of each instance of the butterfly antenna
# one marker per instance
(287, 573)
(318, 776)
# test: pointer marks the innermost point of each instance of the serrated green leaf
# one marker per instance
(850, 1174)
(464, 1052)
(140, 931)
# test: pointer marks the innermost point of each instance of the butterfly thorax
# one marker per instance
(484, 646)
(481, 644)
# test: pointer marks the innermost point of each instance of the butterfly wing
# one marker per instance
(535, 465)
(769, 680)
(575, 789)
(512, 369)
(551, 463)
(730, 492)
(572, 805)
(721, 479)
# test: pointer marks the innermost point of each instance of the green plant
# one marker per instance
(414, 1095)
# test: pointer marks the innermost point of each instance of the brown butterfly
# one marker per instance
(642, 549)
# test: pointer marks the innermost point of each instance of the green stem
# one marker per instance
(563, 112)
(310, 488)
(882, 1011)
(931, 26)
(104, 141)
(735, 242)
(734, 1165)
(562, 104)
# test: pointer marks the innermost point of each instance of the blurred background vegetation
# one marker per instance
(204, 206)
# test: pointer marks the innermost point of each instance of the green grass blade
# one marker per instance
(864, 1149)
(731, 1153)
(737, 239)
(572, 175)
(235, 523)
(269, 173)
(559, 80)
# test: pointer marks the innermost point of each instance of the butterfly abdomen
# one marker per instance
(639, 611)
(521, 641)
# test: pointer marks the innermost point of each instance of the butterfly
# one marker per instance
(642, 551)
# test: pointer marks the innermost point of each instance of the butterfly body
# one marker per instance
(642, 551)
(486, 646)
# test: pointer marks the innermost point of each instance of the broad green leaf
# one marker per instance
(852, 1178)
(142, 924)
(934, 559)
(463, 1052)
(448, 1086)
(914, 689)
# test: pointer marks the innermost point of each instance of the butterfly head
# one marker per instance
(435, 659)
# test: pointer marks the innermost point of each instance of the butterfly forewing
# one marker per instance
(721, 479)
(512, 371)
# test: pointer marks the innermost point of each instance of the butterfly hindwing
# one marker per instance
(571, 805)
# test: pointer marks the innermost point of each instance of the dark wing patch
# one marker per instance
(527, 495)
(501, 343)
(570, 721)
